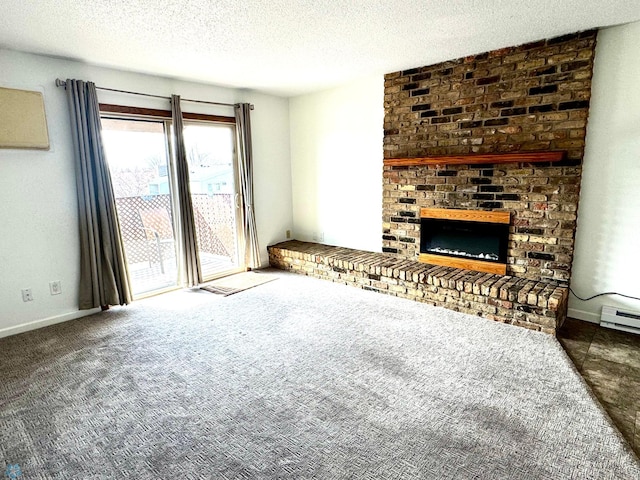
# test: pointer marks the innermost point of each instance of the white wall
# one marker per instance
(336, 164)
(38, 219)
(607, 255)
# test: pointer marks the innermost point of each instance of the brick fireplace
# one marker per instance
(530, 98)
(500, 132)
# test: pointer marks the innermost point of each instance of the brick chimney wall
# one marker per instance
(533, 97)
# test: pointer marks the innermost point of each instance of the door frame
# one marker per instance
(122, 112)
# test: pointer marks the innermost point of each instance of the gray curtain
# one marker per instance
(192, 271)
(245, 170)
(103, 269)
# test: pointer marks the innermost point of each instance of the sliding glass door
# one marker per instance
(142, 170)
(212, 173)
(139, 164)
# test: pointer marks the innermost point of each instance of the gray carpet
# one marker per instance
(300, 378)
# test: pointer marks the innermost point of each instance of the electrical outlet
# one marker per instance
(321, 237)
(27, 295)
(288, 233)
(55, 287)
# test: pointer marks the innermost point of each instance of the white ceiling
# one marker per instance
(289, 47)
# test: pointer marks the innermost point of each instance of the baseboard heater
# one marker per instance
(627, 321)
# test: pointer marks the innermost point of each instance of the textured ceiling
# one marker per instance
(288, 47)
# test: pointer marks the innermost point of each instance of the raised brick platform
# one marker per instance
(537, 305)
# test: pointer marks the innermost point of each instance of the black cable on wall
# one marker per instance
(600, 295)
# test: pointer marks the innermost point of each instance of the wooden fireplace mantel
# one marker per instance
(479, 158)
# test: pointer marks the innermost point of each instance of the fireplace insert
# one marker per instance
(464, 239)
(468, 239)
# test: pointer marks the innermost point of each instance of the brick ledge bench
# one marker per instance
(537, 305)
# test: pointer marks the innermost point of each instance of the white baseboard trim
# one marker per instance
(45, 322)
(583, 315)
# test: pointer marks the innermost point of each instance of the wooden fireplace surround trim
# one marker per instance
(466, 215)
(479, 158)
(469, 216)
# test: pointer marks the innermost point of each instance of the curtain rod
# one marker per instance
(62, 83)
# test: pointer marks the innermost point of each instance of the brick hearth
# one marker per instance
(537, 305)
